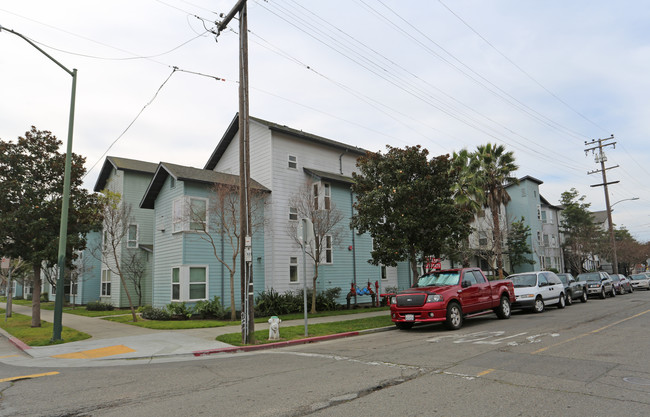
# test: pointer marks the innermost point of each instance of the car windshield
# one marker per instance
(637, 276)
(437, 279)
(589, 276)
(615, 278)
(563, 278)
(524, 280)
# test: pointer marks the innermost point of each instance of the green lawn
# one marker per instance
(20, 326)
(322, 329)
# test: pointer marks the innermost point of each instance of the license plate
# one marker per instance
(409, 317)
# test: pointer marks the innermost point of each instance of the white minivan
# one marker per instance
(537, 289)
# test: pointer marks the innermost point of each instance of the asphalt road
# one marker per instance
(586, 360)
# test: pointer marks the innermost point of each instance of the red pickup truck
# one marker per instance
(450, 296)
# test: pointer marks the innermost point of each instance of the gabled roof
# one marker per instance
(545, 202)
(233, 128)
(330, 176)
(188, 174)
(526, 178)
(123, 164)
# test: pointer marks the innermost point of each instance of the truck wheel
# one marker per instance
(454, 316)
(503, 311)
(584, 297)
(569, 298)
(602, 294)
(561, 303)
(403, 326)
(613, 293)
(538, 307)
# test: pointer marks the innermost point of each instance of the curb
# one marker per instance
(241, 349)
(15, 341)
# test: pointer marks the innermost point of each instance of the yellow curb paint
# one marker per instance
(486, 372)
(96, 353)
(9, 356)
(14, 378)
(591, 332)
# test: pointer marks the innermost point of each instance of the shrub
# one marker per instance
(99, 306)
(210, 308)
(153, 313)
(179, 310)
(272, 303)
(45, 297)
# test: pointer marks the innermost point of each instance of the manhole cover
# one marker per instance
(637, 380)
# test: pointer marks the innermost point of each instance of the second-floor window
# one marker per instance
(482, 238)
(293, 162)
(189, 214)
(293, 269)
(293, 213)
(132, 236)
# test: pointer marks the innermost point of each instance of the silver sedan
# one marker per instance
(640, 281)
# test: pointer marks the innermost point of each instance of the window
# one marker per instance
(328, 249)
(293, 269)
(198, 284)
(106, 283)
(189, 214)
(189, 283)
(172, 182)
(523, 192)
(482, 238)
(549, 218)
(547, 262)
(198, 213)
(545, 240)
(553, 241)
(176, 284)
(132, 236)
(177, 216)
(543, 216)
(315, 196)
(327, 196)
(479, 277)
(293, 162)
(539, 212)
(383, 272)
(293, 213)
(539, 237)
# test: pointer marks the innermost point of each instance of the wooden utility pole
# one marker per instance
(245, 222)
(600, 157)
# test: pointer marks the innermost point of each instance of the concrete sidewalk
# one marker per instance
(112, 342)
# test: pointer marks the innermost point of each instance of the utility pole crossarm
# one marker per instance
(224, 23)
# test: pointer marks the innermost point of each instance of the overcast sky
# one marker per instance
(540, 77)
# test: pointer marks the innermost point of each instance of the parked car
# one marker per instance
(575, 290)
(640, 281)
(598, 283)
(449, 296)
(624, 285)
(534, 290)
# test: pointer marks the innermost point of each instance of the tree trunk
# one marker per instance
(496, 234)
(233, 311)
(313, 294)
(36, 295)
(414, 266)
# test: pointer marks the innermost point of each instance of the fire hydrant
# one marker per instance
(274, 328)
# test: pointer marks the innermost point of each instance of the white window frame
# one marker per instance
(327, 196)
(132, 243)
(544, 214)
(293, 270)
(327, 250)
(315, 194)
(185, 283)
(181, 216)
(293, 214)
(383, 272)
(545, 240)
(482, 238)
(176, 283)
(105, 286)
(292, 162)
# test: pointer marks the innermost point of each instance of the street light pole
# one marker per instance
(63, 230)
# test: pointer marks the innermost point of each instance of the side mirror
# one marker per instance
(466, 284)
(543, 284)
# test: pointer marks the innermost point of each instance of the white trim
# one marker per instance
(133, 243)
(185, 283)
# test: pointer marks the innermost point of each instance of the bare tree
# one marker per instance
(219, 226)
(134, 267)
(310, 202)
(117, 216)
(12, 270)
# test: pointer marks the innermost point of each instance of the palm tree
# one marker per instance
(468, 194)
(494, 168)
